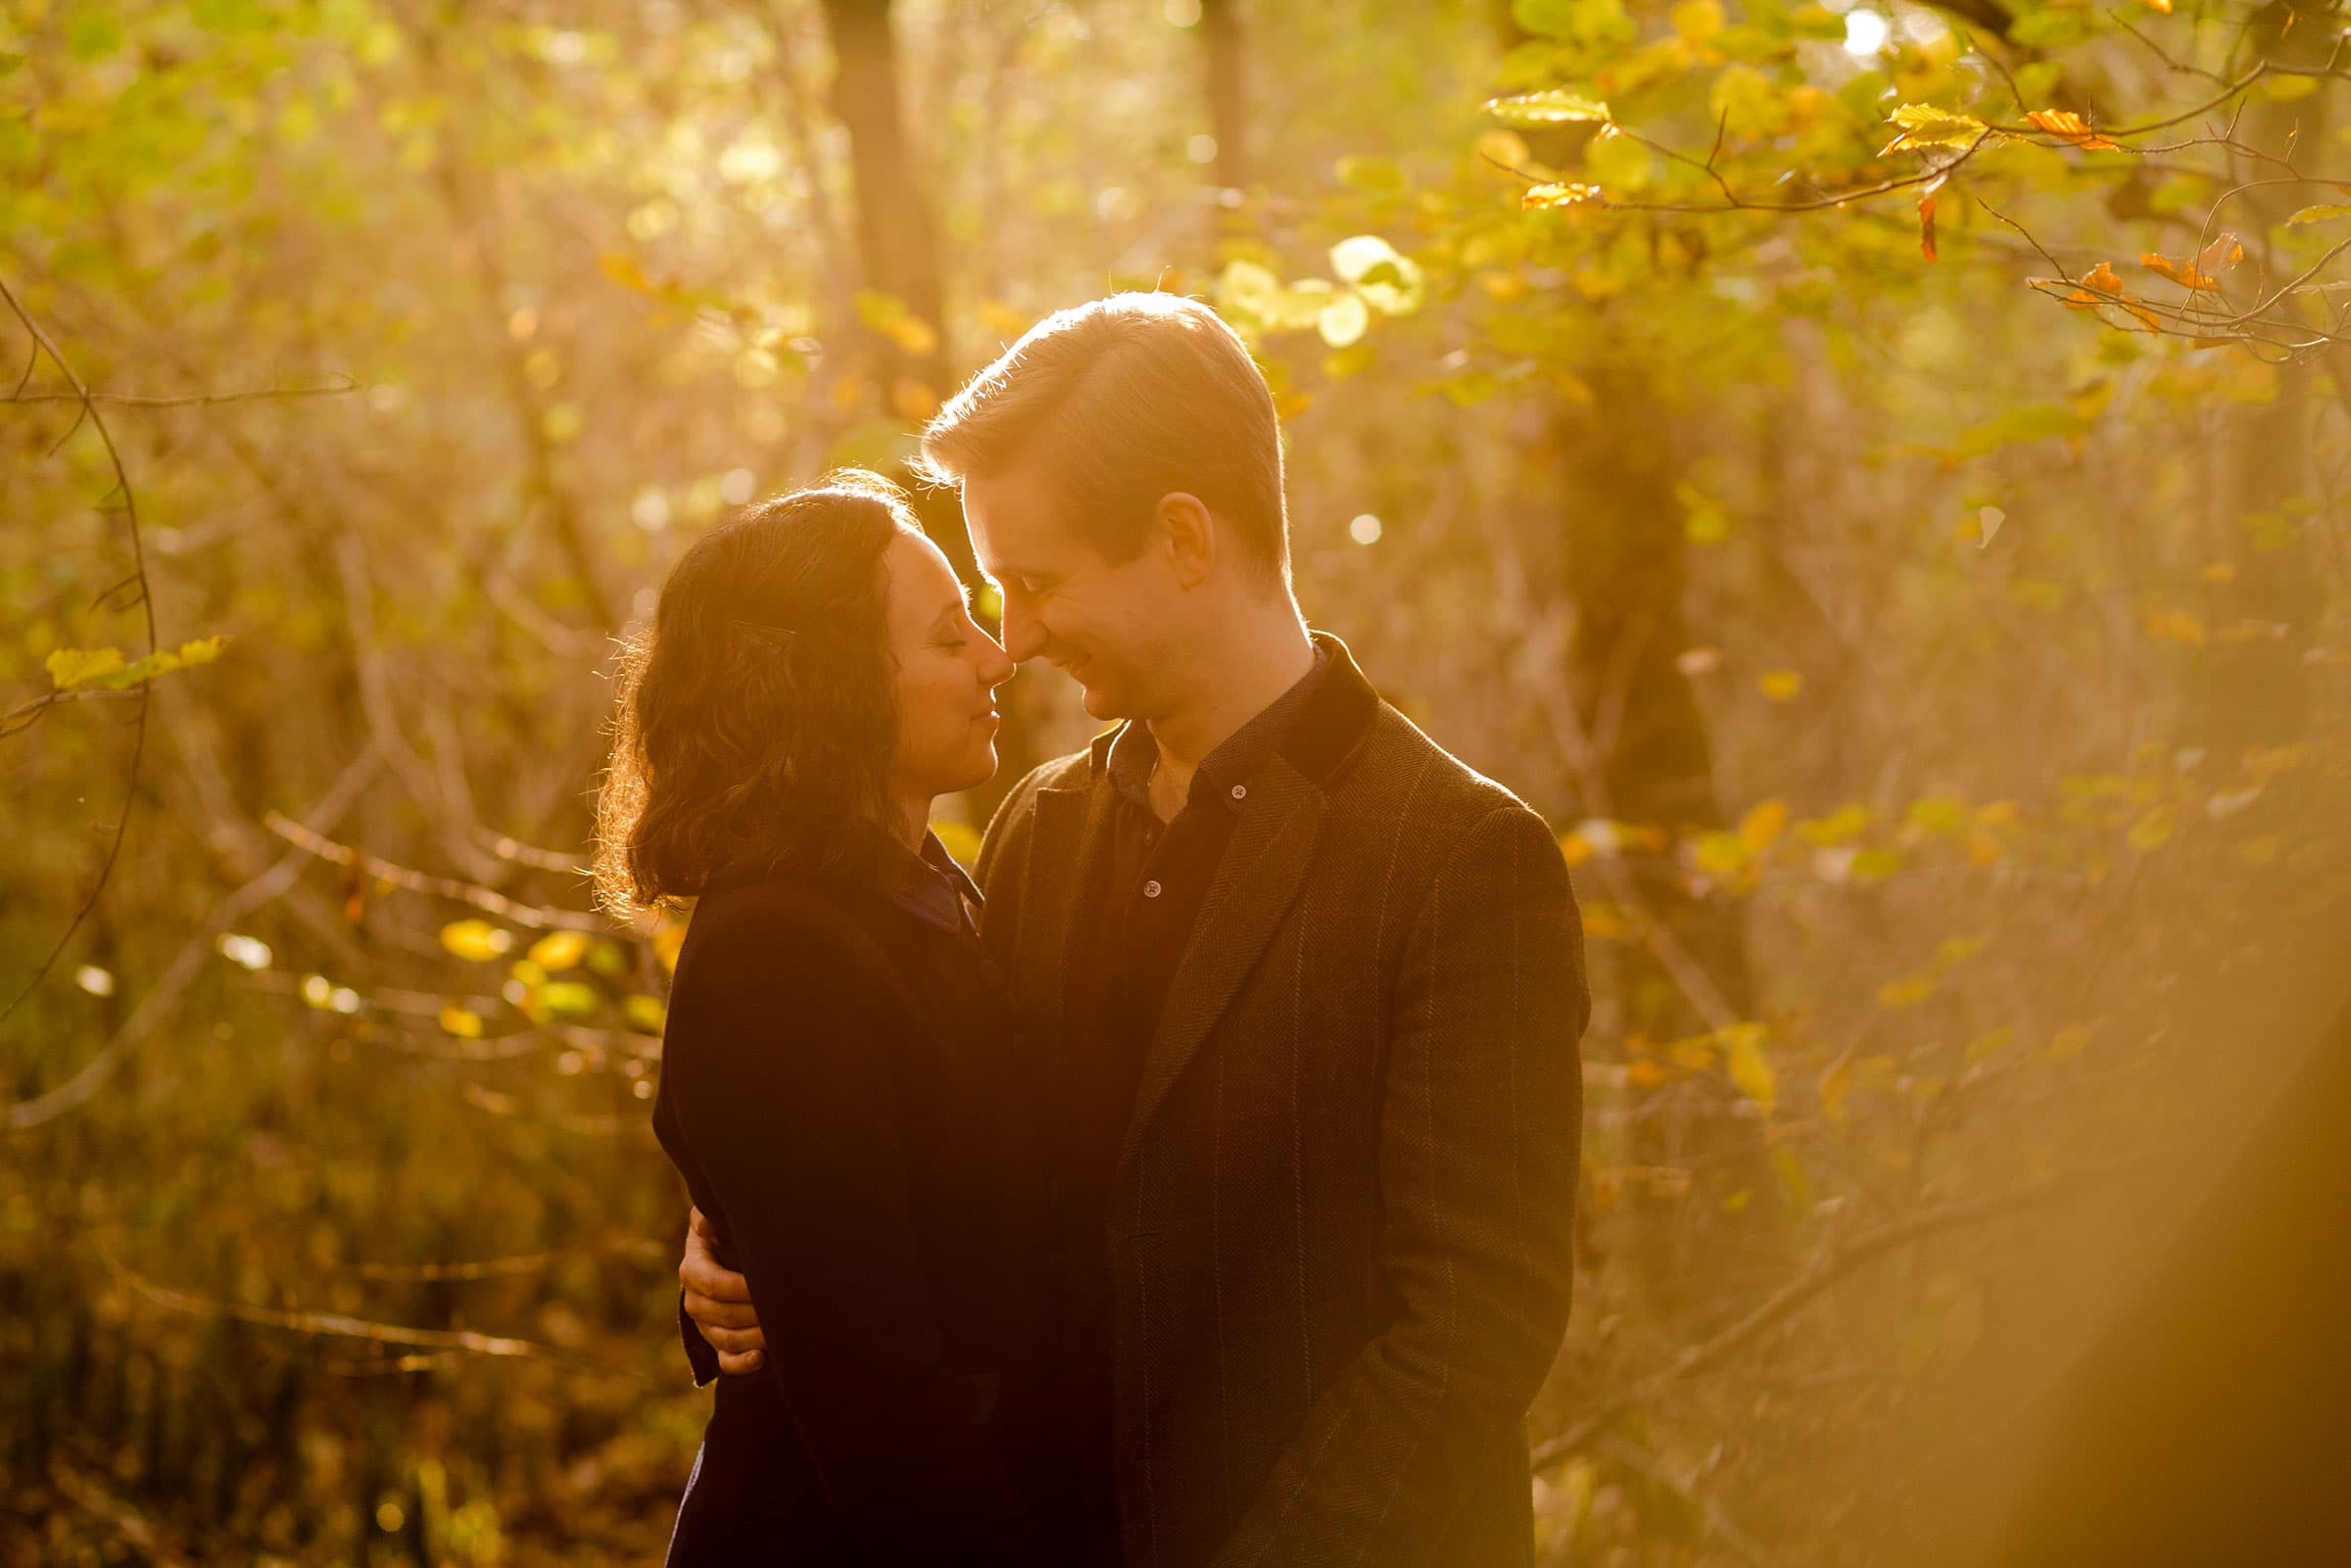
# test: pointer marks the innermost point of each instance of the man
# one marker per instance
(1314, 987)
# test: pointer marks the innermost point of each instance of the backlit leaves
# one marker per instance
(2069, 126)
(104, 668)
(475, 941)
(1921, 127)
(1554, 105)
(1559, 194)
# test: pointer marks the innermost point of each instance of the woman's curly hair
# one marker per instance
(755, 717)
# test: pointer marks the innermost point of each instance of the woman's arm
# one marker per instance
(778, 1071)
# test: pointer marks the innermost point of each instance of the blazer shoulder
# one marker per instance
(1427, 790)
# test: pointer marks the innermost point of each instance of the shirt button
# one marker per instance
(1240, 791)
(1151, 890)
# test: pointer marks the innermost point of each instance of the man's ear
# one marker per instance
(1187, 532)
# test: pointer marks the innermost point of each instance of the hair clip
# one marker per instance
(770, 636)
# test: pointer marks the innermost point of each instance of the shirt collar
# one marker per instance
(1134, 752)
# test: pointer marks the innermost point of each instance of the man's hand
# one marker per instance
(719, 1301)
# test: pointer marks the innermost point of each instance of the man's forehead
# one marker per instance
(1013, 524)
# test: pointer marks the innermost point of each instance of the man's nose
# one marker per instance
(1024, 636)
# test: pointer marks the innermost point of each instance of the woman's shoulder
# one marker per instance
(791, 924)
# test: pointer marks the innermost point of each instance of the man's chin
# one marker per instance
(1102, 703)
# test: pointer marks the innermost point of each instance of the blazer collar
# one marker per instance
(1329, 731)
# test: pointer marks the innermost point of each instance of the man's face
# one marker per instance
(1105, 625)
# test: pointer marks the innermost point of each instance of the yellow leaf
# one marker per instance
(560, 950)
(464, 1022)
(1554, 105)
(1749, 1068)
(1924, 126)
(667, 942)
(1763, 824)
(623, 270)
(1908, 991)
(1605, 924)
(645, 1012)
(1696, 21)
(2151, 831)
(1781, 686)
(1836, 1087)
(1575, 848)
(72, 667)
(2177, 626)
(1984, 1047)
(2318, 215)
(2069, 1041)
(475, 941)
(2067, 126)
(1720, 854)
(1558, 194)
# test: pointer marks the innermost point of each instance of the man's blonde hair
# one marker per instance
(1122, 400)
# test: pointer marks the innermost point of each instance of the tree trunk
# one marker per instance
(2257, 688)
(897, 240)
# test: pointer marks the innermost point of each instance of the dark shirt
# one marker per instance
(1143, 894)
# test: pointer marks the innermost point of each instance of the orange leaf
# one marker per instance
(2184, 273)
(2067, 126)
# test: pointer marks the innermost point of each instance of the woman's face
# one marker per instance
(949, 672)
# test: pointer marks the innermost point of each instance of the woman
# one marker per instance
(841, 1087)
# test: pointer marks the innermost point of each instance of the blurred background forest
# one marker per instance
(1870, 473)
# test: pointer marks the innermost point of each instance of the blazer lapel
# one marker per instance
(1067, 832)
(1262, 872)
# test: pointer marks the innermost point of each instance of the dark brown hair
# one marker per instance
(755, 717)
(1126, 400)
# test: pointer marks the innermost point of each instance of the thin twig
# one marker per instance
(1831, 1266)
(138, 556)
(123, 400)
(536, 916)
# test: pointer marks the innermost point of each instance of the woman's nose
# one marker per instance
(995, 666)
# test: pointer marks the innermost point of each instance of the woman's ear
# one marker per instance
(1189, 534)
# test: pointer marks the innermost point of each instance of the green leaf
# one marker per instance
(1545, 19)
(2318, 215)
(200, 651)
(1554, 105)
(1746, 102)
(1619, 162)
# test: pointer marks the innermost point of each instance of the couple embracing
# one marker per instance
(1204, 1195)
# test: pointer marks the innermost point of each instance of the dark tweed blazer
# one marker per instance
(1341, 1233)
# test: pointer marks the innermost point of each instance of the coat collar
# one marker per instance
(1329, 731)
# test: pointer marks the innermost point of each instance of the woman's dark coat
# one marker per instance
(842, 1091)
